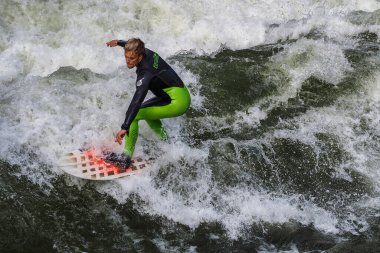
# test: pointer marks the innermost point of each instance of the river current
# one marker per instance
(279, 151)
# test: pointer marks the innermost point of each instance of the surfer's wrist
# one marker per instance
(121, 43)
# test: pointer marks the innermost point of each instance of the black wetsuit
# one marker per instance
(153, 74)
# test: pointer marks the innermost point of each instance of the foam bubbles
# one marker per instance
(307, 58)
(374, 88)
(73, 34)
(367, 5)
(49, 112)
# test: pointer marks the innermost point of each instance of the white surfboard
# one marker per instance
(87, 165)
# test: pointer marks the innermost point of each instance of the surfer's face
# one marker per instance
(132, 59)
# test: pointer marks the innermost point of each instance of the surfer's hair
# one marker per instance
(136, 45)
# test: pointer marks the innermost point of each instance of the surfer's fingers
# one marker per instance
(119, 138)
(112, 43)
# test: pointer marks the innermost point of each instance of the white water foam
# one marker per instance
(234, 208)
(53, 116)
(318, 58)
(74, 34)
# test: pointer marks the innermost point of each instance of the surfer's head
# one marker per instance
(134, 52)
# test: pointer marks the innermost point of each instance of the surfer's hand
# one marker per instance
(120, 135)
(112, 43)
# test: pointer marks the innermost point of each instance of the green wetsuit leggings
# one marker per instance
(180, 102)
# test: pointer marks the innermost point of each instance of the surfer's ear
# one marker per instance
(141, 57)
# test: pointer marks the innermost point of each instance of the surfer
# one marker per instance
(171, 99)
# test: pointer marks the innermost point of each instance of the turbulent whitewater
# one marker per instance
(280, 151)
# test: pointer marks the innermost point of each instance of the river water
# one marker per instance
(279, 151)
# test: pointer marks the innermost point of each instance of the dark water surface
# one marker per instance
(278, 153)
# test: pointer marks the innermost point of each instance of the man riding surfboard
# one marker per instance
(171, 99)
